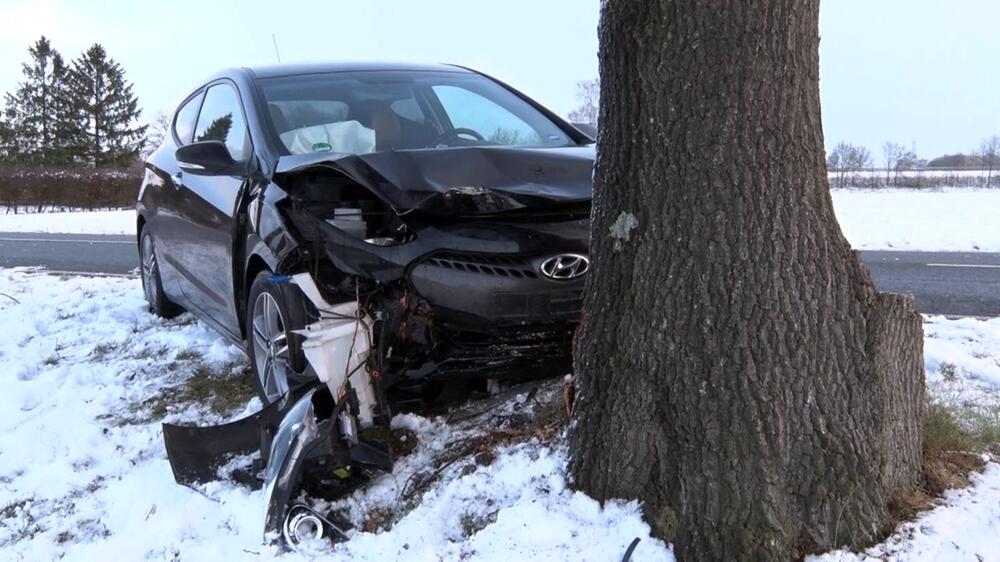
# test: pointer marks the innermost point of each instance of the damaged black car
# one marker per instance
(366, 233)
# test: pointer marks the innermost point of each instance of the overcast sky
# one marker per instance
(913, 71)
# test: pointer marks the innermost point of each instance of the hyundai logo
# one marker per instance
(565, 266)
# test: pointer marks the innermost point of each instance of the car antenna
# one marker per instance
(276, 53)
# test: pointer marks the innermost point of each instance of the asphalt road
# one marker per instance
(80, 253)
(959, 284)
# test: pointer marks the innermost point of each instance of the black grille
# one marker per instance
(501, 266)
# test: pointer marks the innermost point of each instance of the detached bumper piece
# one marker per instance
(305, 436)
(308, 442)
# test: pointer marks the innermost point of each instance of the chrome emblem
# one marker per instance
(565, 266)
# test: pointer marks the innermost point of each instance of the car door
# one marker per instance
(164, 197)
(204, 241)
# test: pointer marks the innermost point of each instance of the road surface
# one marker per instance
(959, 284)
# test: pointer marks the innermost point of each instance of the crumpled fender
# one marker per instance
(269, 236)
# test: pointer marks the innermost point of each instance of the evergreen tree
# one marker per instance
(107, 130)
(38, 118)
(6, 140)
(218, 129)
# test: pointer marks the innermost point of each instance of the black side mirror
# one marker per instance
(208, 158)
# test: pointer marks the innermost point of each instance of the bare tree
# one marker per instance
(892, 153)
(738, 372)
(860, 159)
(897, 159)
(588, 94)
(989, 152)
(157, 130)
(846, 158)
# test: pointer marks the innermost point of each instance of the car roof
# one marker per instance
(271, 71)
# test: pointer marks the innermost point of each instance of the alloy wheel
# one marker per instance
(149, 285)
(270, 346)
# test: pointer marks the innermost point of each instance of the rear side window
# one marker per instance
(186, 117)
(221, 119)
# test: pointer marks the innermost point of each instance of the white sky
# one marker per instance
(920, 71)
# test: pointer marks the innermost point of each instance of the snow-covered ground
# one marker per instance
(83, 475)
(960, 220)
(71, 222)
(89, 376)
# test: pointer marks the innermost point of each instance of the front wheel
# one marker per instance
(275, 311)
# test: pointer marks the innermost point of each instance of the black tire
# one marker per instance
(152, 286)
(293, 313)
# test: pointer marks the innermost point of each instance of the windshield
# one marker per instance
(372, 111)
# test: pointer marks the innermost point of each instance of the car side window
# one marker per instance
(186, 117)
(221, 119)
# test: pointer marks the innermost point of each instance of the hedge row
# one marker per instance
(33, 189)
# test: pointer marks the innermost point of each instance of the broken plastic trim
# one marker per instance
(297, 432)
(337, 347)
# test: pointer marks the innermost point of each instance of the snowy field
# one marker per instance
(70, 222)
(83, 475)
(961, 220)
(89, 376)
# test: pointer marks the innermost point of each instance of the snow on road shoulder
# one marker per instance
(83, 474)
(71, 222)
(962, 349)
(89, 375)
(940, 220)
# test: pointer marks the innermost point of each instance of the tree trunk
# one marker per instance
(737, 370)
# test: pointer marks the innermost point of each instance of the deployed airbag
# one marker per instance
(344, 137)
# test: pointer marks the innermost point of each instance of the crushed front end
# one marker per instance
(422, 267)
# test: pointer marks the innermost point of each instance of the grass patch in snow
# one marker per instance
(944, 432)
(955, 438)
(950, 457)
(17, 523)
(220, 391)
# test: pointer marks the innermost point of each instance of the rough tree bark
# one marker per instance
(737, 370)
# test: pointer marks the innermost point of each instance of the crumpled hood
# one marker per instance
(463, 181)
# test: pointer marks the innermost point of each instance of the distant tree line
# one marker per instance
(68, 115)
(852, 165)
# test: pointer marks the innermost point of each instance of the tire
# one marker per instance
(152, 286)
(273, 312)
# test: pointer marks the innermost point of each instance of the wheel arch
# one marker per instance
(140, 224)
(256, 261)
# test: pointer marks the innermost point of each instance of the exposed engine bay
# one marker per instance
(417, 268)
